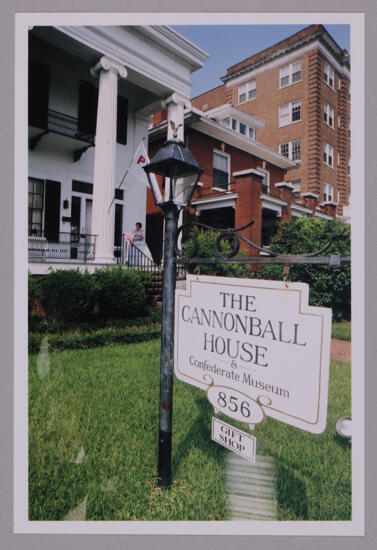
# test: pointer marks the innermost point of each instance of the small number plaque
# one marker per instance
(235, 404)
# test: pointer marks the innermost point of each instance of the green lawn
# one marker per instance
(105, 400)
(93, 426)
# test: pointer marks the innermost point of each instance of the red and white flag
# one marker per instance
(135, 170)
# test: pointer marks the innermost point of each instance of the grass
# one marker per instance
(104, 402)
(342, 331)
(313, 471)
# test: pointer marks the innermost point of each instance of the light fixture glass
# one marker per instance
(175, 162)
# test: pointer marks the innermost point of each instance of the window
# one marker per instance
(243, 128)
(290, 74)
(247, 91)
(220, 170)
(39, 78)
(296, 149)
(289, 113)
(35, 206)
(328, 75)
(328, 154)
(291, 150)
(82, 187)
(328, 115)
(284, 149)
(328, 192)
(265, 180)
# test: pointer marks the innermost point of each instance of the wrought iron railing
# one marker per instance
(67, 125)
(62, 246)
(132, 257)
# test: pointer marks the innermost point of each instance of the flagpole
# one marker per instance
(126, 172)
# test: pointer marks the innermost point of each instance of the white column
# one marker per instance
(105, 157)
(176, 105)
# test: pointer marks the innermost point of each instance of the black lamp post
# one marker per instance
(173, 161)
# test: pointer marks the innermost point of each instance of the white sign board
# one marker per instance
(256, 347)
(235, 440)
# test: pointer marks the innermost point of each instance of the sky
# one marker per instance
(230, 44)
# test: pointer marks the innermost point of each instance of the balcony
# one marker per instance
(76, 141)
(67, 125)
(61, 247)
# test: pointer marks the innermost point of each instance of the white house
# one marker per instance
(92, 92)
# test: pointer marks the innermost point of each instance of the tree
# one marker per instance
(329, 286)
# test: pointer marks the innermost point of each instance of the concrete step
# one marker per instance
(251, 488)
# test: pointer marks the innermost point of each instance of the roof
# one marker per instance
(296, 41)
(199, 121)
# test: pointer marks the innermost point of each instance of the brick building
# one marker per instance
(243, 180)
(300, 89)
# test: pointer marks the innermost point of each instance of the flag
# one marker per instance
(136, 170)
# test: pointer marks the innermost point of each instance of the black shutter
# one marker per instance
(39, 78)
(118, 225)
(122, 120)
(52, 210)
(87, 112)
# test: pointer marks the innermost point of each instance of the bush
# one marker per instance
(98, 338)
(206, 240)
(68, 295)
(329, 286)
(33, 292)
(122, 294)
(42, 326)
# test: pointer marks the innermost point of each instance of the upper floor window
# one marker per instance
(247, 91)
(291, 150)
(289, 113)
(242, 128)
(328, 154)
(328, 192)
(328, 75)
(289, 74)
(328, 115)
(220, 169)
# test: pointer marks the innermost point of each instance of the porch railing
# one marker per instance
(62, 246)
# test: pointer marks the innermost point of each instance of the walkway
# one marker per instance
(341, 350)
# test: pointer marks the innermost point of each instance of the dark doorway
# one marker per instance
(270, 223)
(118, 226)
(154, 235)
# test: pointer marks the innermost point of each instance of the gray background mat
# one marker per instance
(9, 541)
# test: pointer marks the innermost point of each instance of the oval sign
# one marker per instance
(235, 404)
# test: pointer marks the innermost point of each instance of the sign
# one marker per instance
(233, 439)
(256, 347)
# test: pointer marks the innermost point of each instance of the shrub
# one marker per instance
(68, 295)
(122, 293)
(206, 240)
(98, 338)
(33, 292)
(329, 286)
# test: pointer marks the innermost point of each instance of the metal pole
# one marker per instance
(167, 346)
